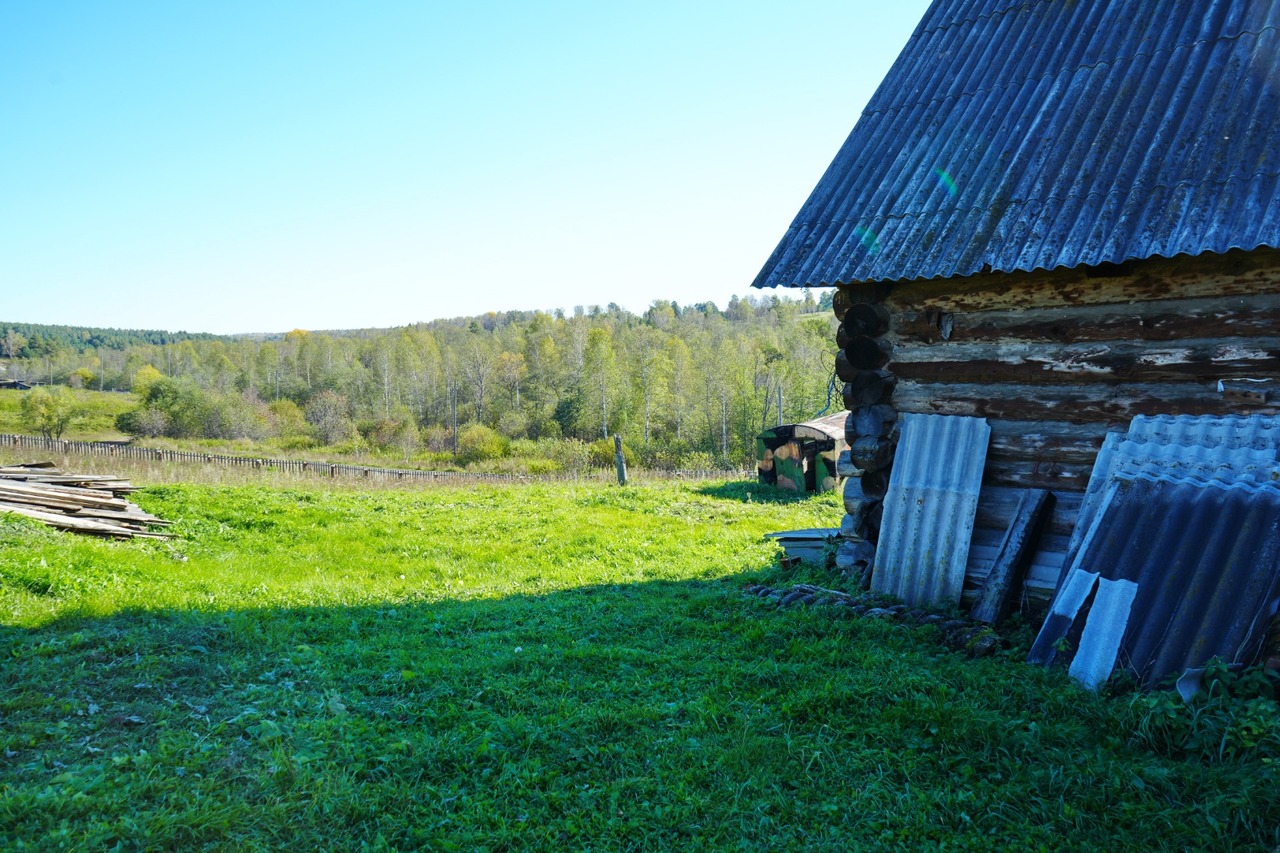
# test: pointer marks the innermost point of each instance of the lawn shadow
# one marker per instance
(683, 713)
(751, 491)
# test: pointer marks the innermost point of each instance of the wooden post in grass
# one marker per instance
(619, 459)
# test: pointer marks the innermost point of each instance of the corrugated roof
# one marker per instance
(1024, 134)
(929, 508)
(1204, 556)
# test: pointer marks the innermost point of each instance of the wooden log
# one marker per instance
(1014, 557)
(1032, 474)
(1046, 440)
(867, 353)
(854, 557)
(844, 370)
(866, 484)
(848, 295)
(868, 388)
(1114, 405)
(871, 454)
(866, 318)
(876, 421)
(997, 506)
(1024, 362)
(1234, 273)
(1165, 320)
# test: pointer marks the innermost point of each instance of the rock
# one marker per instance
(984, 646)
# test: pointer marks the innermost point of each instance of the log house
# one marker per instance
(1056, 217)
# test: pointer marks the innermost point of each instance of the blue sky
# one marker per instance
(262, 166)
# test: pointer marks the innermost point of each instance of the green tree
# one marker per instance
(49, 411)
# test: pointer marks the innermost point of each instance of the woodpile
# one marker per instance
(82, 503)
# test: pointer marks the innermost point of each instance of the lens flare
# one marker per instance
(868, 239)
(947, 182)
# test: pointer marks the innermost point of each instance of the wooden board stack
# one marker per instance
(83, 503)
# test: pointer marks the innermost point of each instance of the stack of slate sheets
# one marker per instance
(1175, 559)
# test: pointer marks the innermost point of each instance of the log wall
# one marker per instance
(1055, 359)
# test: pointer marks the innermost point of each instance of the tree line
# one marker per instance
(677, 382)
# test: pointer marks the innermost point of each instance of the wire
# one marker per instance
(831, 390)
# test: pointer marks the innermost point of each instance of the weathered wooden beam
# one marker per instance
(80, 525)
(1028, 474)
(1115, 405)
(1234, 273)
(1012, 361)
(1014, 557)
(997, 506)
(1166, 320)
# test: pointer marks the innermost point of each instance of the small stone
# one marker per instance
(793, 596)
(878, 613)
(984, 646)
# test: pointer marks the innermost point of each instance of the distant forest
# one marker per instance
(676, 381)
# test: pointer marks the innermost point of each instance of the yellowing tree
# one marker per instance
(144, 379)
(48, 412)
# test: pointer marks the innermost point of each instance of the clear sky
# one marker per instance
(265, 165)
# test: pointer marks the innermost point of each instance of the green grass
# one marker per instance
(547, 667)
(96, 422)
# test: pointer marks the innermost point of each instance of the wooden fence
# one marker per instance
(122, 450)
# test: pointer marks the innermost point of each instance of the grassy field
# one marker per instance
(544, 667)
(96, 422)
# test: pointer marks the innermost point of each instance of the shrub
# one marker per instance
(327, 413)
(601, 454)
(287, 420)
(477, 443)
(570, 454)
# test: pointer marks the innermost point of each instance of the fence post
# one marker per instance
(619, 459)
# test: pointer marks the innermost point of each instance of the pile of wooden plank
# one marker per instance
(810, 545)
(83, 503)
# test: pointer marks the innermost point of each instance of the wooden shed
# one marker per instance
(802, 457)
(1056, 217)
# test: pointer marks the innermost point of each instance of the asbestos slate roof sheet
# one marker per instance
(929, 508)
(1177, 571)
(1225, 447)
(1040, 134)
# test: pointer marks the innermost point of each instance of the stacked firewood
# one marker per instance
(870, 427)
(83, 503)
